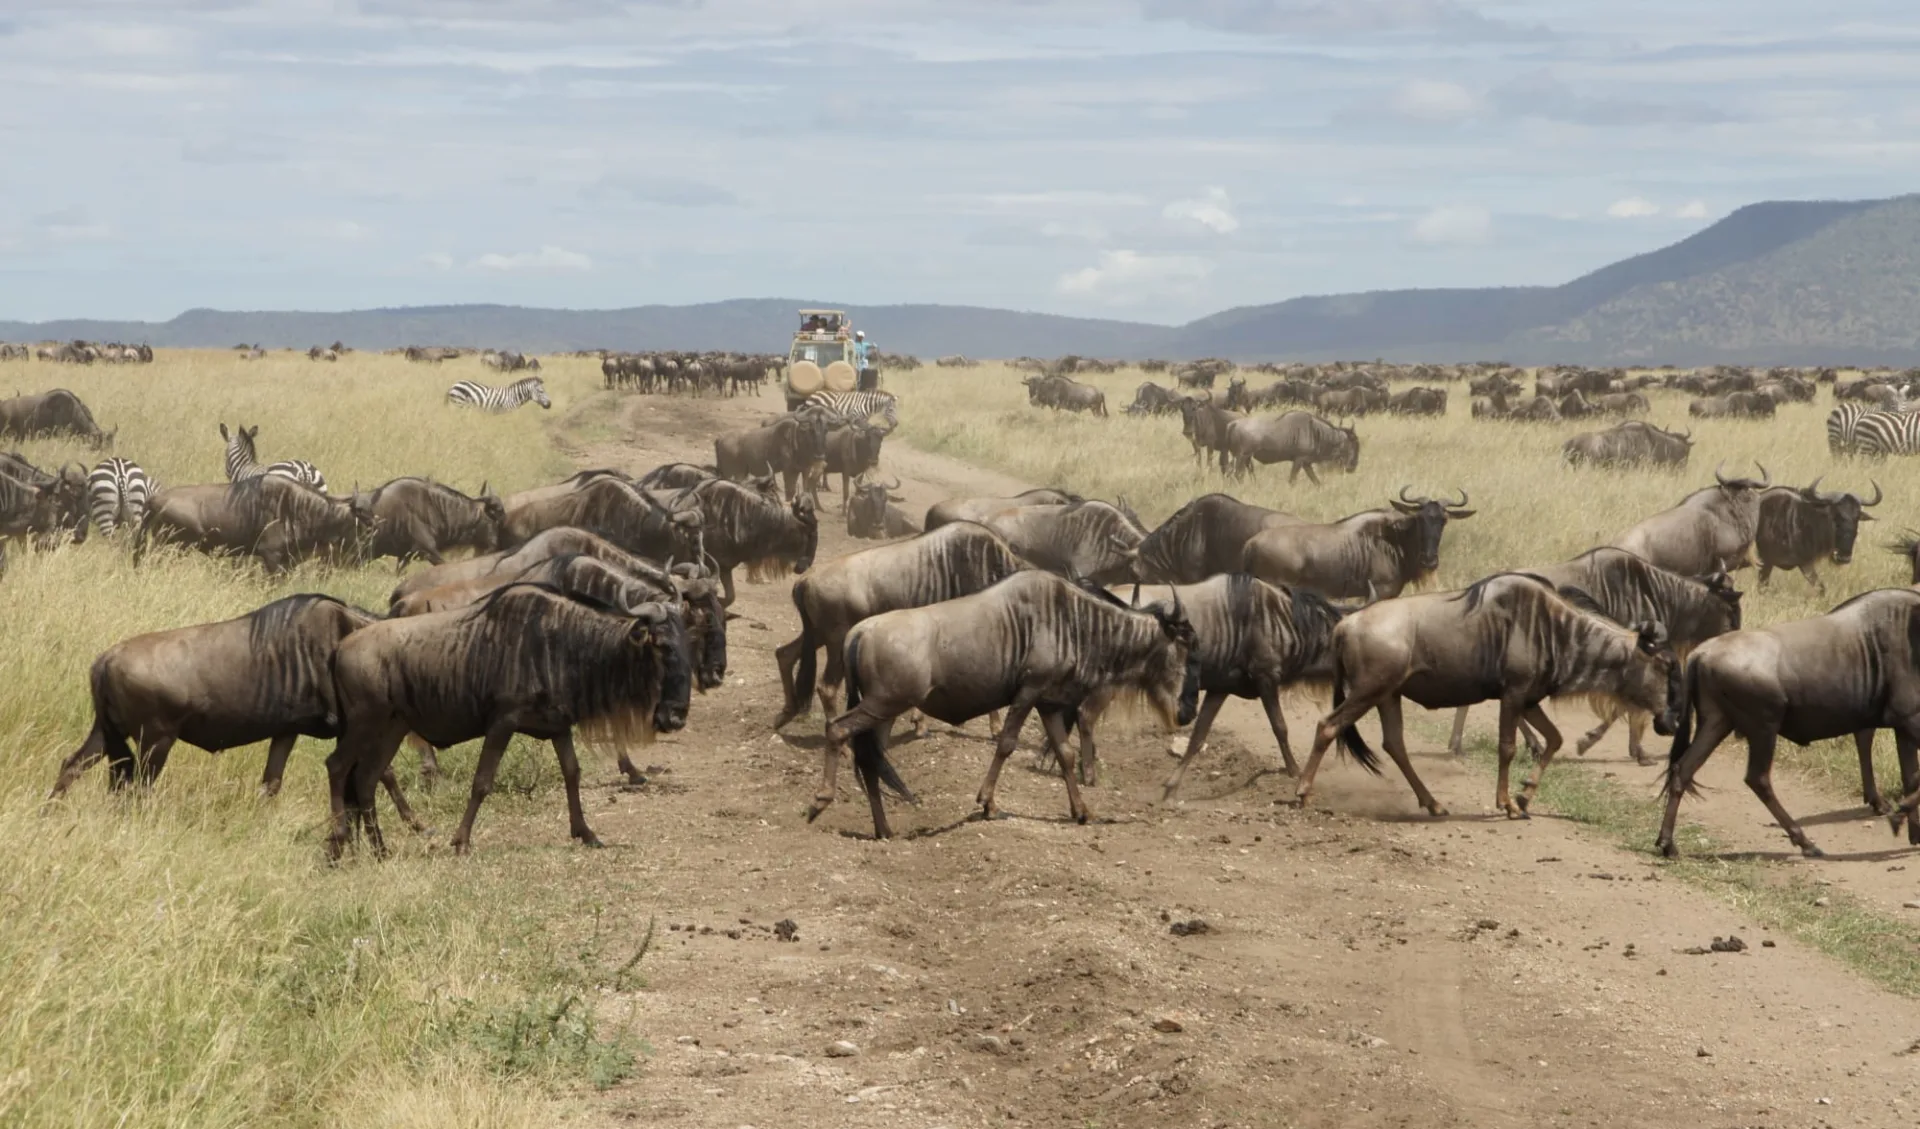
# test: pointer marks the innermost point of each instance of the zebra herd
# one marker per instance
(472, 393)
(1861, 429)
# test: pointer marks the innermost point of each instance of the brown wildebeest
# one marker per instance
(853, 449)
(504, 565)
(417, 517)
(1710, 531)
(794, 446)
(260, 677)
(1372, 555)
(1092, 541)
(1205, 424)
(1419, 402)
(615, 509)
(1634, 443)
(872, 515)
(1151, 399)
(1510, 638)
(1205, 537)
(973, 509)
(745, 527)
(70, 491)
(1800, 528)
(1300, 438)
(1034, 641)
(58, 412)
(274, 519)
(1733, 405)
(526, 660)
(1849, 672)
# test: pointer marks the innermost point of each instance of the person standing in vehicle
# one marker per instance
(863, 362)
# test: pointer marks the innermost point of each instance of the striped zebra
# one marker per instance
(488, 398)
(1879, 434)
(1843, 425)
(243, 461)
(859, 405)
(117, 492)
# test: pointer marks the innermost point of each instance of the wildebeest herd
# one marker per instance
(597, 604)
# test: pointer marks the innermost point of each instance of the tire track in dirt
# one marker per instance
(1364, 965)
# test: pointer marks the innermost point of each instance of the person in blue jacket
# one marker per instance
(863, 362)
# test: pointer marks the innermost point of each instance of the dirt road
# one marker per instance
(1361, 965)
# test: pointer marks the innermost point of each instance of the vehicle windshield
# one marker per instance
(822, 353)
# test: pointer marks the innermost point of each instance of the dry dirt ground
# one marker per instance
(1362, 965)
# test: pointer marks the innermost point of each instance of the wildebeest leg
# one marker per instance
(1636, 732)
(1197, 740)
(1393, 735)
(1312, 477)
(1813, 578)
(1906, 743)
(1869, 787)
(1002, 749)
(1502, 797)
(100, 743)
(1760, 779)
(429, 761)
(1531, 788)
(635, 778)
(570, 773)
(400, 806)
(490, 753)
(277, 752)
(1766, 574)
(1459, 730)
(153, 757)
(1050, 720)
(1330, 727)
(726, 588)
(1713, 729)
(785, 656)
(1294, 474)
(1592, 737)
(339, 768)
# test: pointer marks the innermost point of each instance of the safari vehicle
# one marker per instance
(822, 356)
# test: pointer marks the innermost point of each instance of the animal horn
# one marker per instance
(896, 483)
(1813, 488)
(1876, 495)
(1717, 476)
(1409, 501)
(1461, 504)
(1766, 479)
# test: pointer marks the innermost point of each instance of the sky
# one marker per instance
(1153, 160)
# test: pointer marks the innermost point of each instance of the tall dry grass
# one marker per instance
(1532, 508)
(184, 958)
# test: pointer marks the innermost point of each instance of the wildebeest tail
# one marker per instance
(1683, 732)
(805, 672)
(1350, 739)
(869, 759)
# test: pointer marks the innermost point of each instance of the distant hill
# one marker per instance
(1780, 282)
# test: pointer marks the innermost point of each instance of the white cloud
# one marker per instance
(548, 257)
(1085, 230)
(1453, 225)
(1693, 210)
(1211, 210)
(1430, 101)
(1633, 207)
(438, 260)
(1128, 277)
(348, 231)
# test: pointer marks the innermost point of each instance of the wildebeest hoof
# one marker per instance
(1812, 852)
(1437, 811)
(814, 809)
(1667, 849)
(1525, 801)
(1878, 805)
(591, 840)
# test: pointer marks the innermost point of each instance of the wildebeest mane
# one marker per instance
(1313, 617)
(264, 499)
(1477, 591)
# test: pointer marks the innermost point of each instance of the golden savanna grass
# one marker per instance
(184, 958)
(1532, 509)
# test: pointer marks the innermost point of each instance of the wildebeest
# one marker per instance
(58, 412)
(1849, 672)
(1205, 537)
(955, 560)
(68, 489)
(852, 449)
(1093, 541)
(1711, 530)
(27, 510)
(1065, 393)
(1800, 528)
(612, 507)
(1633, 443)
(417, 517)
(1620, 404)
(1418, 402)
(1372, 555)
(1151, 399)
(274, 519)
(1205, 425)
(1300, 438)
(1733, 405)
(872, 515)
(974, 509)
(793, 445)
(503, 565)
(1629, 590)
(1510, 637)
(526, 660)
(1034, 641)
(1251, 640)
(745, 527)
(260, 677)
(1350, 401)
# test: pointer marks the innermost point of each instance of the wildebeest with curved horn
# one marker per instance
(1800, 528)
(1151, 399)
(262, 676)
(1627, 589)
(612, 507)
(1372, 555)
(274, 519)
(1205, 537)
(1300, 438)
(1851, 671)
(58, 412)
(745, 527)
(1034, 641)
(872, 515)
(526, 660)
(503, 565)
(955, 560)
(417, 517)
(1204, 424)
(852, 449)
(793, 445)
(1711, 530)
(68, 488)
(1093, 541)
(974, 509)
(1733, 405)
(1510, 638)
(1633, 443)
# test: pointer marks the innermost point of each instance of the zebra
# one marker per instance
(489, 398)
(1879, 434)
(117, 492)
(1843, 425)
(243, 461)
(859, 405)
